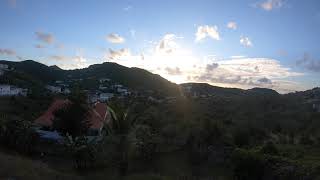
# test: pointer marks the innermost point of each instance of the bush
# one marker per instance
(269, 148)
(248, 165)
(19, 136)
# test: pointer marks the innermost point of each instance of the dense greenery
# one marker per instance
(208, 132)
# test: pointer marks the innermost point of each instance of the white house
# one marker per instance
(104, 80)
(316, 107)
(105, 96)
(54, 89)
(102, 87)
(8, 90)
(117, 86)
(123, 91)
(3, 67)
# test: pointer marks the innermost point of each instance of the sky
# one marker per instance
(231, 43)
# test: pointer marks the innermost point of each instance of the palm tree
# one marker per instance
(120, 127)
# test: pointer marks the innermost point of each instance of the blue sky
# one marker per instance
(232, 43)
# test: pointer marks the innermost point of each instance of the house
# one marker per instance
(93, 97)
(98, 117)
(103, 87)
(316, 107)
(123, 91)
(9, 90)
(105, 96)
(3, 67)
(117, 86)
(66, 90)
(102, 80)
(54, 89)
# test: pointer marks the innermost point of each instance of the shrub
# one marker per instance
(248, 165)
(269, 148)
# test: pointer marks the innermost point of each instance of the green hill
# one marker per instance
(133, 78)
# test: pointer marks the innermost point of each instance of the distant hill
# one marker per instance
(207, 89)
(133, 78)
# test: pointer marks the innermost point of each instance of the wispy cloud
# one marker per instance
(7, 52)
(59, 57)
(232, 25)
(245, 41)
(269, 5)
(116, 54)
(127, 8)
(173, 71)
(133, 33)
(309, 63)
(45, 37)
(207, 31)
(39, 46)
(70, 62)
(115, 38)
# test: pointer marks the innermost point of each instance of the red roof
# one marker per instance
(97, 115)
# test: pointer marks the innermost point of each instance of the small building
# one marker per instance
(98, 117)
(93, 98)
(9, 90)
(316, 107)
(102, 80)
(54, 89)
(123, 91)
(4, 67)
(66, 91)
(102, 87)
(117, 86)
(105, 96)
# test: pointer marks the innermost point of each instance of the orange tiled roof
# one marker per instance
(97, 115)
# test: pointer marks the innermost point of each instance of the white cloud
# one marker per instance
(116, 54)
(207, 31)
(172, 61)
(72, 62)
(245, 41)
(45, 37)
(269, 5)
(167, 44)
(237, 56)
(127, 8)
(7, 52)
(173, 71)
(232, 25)
(248, 73)
(115, 38)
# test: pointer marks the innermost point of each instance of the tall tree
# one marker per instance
(72, 119)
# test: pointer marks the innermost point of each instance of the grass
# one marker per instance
(17, 167)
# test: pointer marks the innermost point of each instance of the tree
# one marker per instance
(72, 119)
